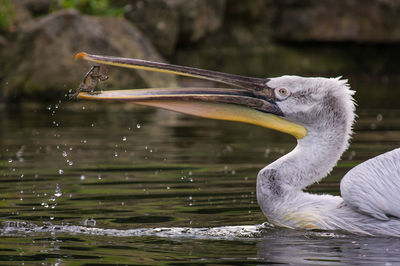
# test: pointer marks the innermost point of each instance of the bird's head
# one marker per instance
(314, 102)
(290, 104)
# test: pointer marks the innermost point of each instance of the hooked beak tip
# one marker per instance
(80, 55)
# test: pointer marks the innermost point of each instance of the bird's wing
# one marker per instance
(373, 187)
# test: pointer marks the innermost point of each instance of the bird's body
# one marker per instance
(319, 112)
(301, 210)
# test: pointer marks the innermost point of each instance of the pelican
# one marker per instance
(318, 112)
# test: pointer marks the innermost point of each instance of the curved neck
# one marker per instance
(313, 158)
(316, 154)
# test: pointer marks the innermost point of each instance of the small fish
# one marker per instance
(95, 75)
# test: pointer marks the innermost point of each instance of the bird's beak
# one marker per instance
(252, 101)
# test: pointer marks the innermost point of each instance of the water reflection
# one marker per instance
(328, 249)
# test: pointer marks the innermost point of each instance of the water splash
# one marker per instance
(90, 222)
(58, 192)
(12, 228)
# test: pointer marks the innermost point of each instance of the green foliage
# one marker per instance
(7, 15)
(93, 7)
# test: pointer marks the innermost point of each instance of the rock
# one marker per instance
(40, 59)
(157, 20)
(197, 18)
(167, 21)
(267, 38)
(330, 20)
(246, 24)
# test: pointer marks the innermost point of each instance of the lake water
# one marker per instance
(85, 183)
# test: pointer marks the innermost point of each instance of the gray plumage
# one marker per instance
(373, 187)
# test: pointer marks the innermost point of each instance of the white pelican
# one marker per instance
(319, 112)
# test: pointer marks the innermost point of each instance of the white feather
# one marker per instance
(373, 187)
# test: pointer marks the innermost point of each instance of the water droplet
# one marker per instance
(58, 192)
(61, 171)
(267, 152)
(124, 138)
(83, 177)
(138, 125)
(51, 217)
(116, 154)
(10, 160)
(44, 204)
(90, 222)
(64, 154)
(379, 117)
(168, 188)
(351, 155)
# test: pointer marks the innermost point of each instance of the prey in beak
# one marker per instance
(249, 101)
(95, 75)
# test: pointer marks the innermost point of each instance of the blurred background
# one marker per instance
(356, 39)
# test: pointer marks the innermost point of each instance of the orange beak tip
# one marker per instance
(80, 55)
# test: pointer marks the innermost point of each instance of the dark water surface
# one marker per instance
(82, 184)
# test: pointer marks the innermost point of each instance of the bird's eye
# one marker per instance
(282, 93)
